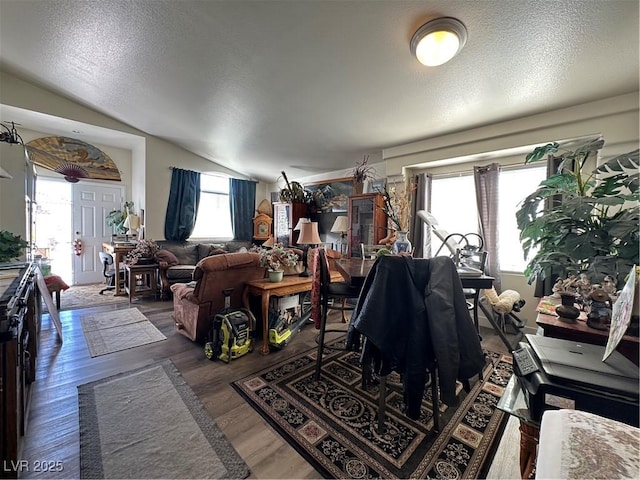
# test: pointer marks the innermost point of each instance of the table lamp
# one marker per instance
(308, 236)
(132, 223)
(341, 226)
(297, 228)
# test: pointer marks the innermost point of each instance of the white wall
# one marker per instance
(149, 179)
(616, 119)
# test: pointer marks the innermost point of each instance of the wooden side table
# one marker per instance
(291, 284)
(141, 280)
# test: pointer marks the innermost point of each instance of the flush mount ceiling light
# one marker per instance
(438, 41)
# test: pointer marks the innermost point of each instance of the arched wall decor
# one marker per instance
(72, 158)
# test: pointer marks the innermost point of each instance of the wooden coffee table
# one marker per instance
(290, 285)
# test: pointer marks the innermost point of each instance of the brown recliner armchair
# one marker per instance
(195, 303)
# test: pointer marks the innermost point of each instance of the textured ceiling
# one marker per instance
(261, 86)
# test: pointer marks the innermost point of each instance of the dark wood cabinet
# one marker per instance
(367, 222)
(285, 217)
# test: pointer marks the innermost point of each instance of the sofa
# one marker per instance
(177, 260)
(195, 303)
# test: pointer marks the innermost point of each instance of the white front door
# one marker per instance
(91, 204)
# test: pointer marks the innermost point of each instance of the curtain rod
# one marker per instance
(461, 173)
(214, 174)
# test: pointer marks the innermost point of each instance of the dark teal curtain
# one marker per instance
(242, 201)
(184, 198)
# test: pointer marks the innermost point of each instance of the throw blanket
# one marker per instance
(55, 283)
(315, 288)
(183, 290)
(315, 284)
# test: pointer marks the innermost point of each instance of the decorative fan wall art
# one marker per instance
(72, 158)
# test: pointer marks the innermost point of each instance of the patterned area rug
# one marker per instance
(113, 331)
(332, 422)
(148, 423)
(83, 296)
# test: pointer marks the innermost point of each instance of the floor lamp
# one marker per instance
(308, 236)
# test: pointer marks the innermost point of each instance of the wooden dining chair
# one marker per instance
(337, 292)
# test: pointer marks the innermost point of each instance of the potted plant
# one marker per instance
(275, 258)
(582, 220)
(362, 171)
(397, 208)
(143, 253)
(294, 192)
(115, 218)
(11, 246)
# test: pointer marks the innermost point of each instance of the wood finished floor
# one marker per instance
(52, 430)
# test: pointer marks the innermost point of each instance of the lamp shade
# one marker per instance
(438, 41)
(132, 222)
(268, 242)
(309, 234)
(341, 225)
(300, 222)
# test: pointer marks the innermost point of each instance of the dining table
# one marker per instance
(355, 270)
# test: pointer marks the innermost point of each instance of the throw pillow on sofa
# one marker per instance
(205, 249)
(167, 256)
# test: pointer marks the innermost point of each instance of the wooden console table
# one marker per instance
(118, 252)
(579, 331)
(290, 285)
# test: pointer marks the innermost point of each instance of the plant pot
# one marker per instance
(567, 311)
(145, 261)
(275, 276)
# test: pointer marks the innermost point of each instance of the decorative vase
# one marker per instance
(567, 311)
(402, 243)
(358, 187)
(276, 276)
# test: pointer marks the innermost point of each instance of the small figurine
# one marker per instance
(584, 288)
(558, 288)
(609, 285)
(600, 315)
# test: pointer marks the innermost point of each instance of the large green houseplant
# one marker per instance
(11, 246)
(116, 218)
(581, 219)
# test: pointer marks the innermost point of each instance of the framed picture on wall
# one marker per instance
(331, 195)
(376, 186)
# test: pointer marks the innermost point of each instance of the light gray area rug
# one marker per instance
(148, 423)
(108, 332)
(83, 296)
